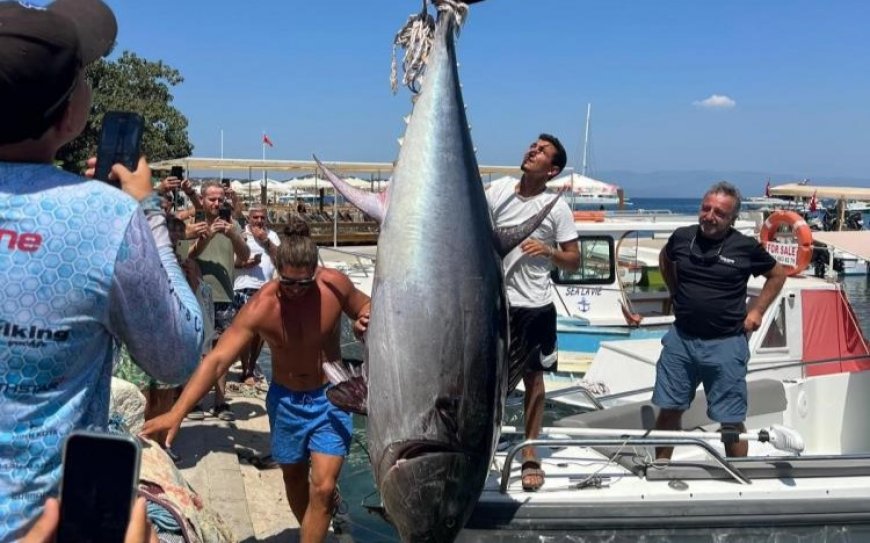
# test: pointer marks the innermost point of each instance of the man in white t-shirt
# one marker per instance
(527, 281)
(252, 274)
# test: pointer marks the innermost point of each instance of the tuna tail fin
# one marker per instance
(350, 390)
(508, 237)
(370, 203)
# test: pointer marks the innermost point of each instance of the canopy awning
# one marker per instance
(807, 191)
(229, 164)
(855, 242)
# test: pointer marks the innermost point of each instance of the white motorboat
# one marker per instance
(809, 482)
(810, 320)
(618, 275)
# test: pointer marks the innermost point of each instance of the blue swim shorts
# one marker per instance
(720, 364)
(305, 422)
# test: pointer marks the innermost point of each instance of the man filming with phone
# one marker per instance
(84, 264)
(216, 251)
(251, 275)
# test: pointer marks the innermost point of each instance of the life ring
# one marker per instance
(589, 216)
(802, 234)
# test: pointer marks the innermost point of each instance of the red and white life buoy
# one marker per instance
(802, 234)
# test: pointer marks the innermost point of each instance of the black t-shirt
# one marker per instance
(710, 300)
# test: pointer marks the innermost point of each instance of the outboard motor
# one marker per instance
(820, 261)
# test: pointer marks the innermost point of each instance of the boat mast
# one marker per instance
(586, 141)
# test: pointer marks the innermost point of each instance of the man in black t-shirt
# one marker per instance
(706, 268)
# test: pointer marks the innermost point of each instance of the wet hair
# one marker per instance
(296, 226)
(726, 188)
(297, 249)
(561, 157)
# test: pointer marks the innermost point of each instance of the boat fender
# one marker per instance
(802, 233)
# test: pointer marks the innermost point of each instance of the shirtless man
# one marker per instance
(298, 314)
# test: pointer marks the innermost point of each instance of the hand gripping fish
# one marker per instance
(437, 339)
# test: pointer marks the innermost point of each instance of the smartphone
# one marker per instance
(120, 142)
(225, 213)
(177, 172)
(225, 182)
(98, 487)
(199, 216)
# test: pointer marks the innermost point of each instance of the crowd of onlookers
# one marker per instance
(227, 253)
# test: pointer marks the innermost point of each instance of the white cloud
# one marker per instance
(716, 101)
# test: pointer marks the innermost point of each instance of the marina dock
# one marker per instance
(227, 464)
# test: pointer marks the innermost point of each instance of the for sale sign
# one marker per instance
(784, 253)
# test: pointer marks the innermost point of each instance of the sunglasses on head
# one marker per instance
(286, 282)
(704, 258)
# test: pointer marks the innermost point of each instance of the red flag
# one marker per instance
(813, 202)
(767, 189)
(267, 141)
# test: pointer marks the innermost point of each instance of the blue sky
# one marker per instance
(791, 79)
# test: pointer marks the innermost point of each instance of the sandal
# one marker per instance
(532, 475)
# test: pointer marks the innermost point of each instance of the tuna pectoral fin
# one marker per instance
(508, 237)
(370, 203)
(350, 390)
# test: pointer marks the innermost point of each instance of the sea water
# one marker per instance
(358, 489)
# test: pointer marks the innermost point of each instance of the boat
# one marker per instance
(847, 214)
(618, 275)
(810, 320)
(807, 476)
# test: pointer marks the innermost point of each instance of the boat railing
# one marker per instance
(599, 401)
(636, 212)
(363, 261)
(590, 441)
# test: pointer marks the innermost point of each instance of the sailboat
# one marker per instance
(586, 192)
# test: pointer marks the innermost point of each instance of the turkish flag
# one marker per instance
(267, 141)
(813, 202)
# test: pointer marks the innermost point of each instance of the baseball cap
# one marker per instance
(42, 51)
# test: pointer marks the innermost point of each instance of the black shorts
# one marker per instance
(533, 342)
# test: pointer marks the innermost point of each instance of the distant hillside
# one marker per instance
(691, 183)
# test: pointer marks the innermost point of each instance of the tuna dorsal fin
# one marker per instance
(350, 390)
(370, 203)
(508, 237)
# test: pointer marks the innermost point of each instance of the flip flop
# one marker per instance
(531, 469)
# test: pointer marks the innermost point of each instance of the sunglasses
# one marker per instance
(286, 282)
(703, 258)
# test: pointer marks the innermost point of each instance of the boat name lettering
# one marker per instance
(583, 291)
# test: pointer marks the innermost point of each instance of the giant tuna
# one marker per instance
(436, 344)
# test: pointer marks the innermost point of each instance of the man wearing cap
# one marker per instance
(84, 265)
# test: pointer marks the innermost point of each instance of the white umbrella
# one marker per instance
(581, 184)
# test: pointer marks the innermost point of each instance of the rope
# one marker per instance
(416, 38)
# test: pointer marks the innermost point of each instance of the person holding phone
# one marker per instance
(84, 264)
(251, 275)
(216, 253)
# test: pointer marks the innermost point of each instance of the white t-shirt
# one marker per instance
(527, 278)
(256, 276)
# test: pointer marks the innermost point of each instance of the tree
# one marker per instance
(132, 83)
